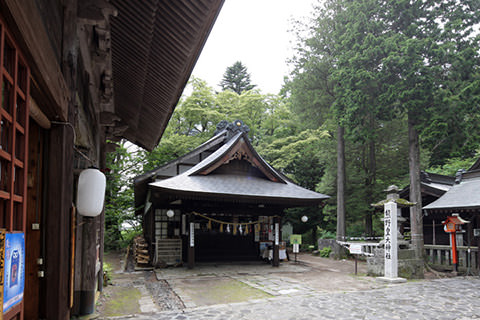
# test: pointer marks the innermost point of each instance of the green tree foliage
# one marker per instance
(298, 157)
(236, 78)
(197, 114)
(452, 165)
(371, 65)
(378, 70)
(120, 218)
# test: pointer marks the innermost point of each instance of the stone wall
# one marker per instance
(337, 250)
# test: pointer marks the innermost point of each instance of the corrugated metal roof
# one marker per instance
(271, 188)
(465, 195)
(155, 45)
(240, 187)
(431, 184)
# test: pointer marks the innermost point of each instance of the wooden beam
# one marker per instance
(88, 279)
(42, 59)
(37, 115)
(57, 229)
(60, 160)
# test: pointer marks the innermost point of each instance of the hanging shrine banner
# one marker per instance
(14, 271)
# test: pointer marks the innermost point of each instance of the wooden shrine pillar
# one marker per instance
(88, 280)
(276, 242)
(191, 242)
(59, 191)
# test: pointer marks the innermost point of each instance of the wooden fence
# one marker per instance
(441, 257)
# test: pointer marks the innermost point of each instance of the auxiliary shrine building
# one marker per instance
(220, 202)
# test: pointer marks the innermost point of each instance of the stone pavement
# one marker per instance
(270, 281)
(453, 298)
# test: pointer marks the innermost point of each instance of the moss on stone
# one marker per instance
(400, 202)
(123, 301)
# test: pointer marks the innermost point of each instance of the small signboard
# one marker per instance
(296, 248)
(476, 232)
(277, 234)
(355, 248)
(296, 239)
(192, 234)
(14, 270)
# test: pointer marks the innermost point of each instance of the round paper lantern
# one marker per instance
(91, 192)
(304, 219)
(170, 213)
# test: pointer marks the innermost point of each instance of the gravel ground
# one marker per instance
(120, 296)
(178, 290)
(162, 293)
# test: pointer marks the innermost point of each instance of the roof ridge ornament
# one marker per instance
(459, 175)
(232, 128)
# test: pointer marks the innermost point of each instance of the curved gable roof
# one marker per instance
(238, 147)
(203, 182)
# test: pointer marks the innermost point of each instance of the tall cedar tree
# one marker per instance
(391, 59)
(236, 78)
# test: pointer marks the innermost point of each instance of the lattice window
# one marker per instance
(15, 85)
(166, 227)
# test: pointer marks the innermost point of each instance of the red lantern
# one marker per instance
(453, 224)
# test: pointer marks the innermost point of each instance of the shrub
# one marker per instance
(324, 234)
(325, 252)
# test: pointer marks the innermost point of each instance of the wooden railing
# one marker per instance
(367, 248)
(441, 256)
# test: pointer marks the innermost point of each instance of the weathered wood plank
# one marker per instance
(45, 68)
(60, 186)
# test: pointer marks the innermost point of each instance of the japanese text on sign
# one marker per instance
(388, 240)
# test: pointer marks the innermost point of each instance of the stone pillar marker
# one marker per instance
(390, 238)
(391, 211)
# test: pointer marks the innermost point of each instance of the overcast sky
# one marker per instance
(255, 32)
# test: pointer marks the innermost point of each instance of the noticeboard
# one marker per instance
(296, 239)
(14, 270)
(355, 248)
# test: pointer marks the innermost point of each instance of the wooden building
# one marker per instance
(74, 75)
(219, 202)
(462, 199)
(433, 186)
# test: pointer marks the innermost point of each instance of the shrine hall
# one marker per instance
(220, 202)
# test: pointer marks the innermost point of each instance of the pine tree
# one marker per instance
(236, 78)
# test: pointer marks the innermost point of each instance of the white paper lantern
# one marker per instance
(304, 219)
(170, 213)
(91, 192)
